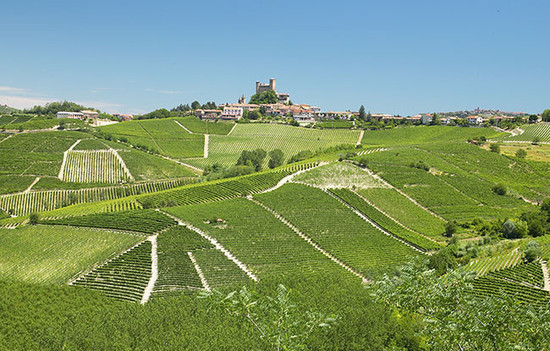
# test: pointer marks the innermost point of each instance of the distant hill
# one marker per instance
(5, 109)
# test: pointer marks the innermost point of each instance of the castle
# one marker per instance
(282, 98)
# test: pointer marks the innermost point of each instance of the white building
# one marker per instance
(65, 114)
(90, 114)
(230, 112)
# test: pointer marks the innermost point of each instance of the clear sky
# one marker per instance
(400, 57)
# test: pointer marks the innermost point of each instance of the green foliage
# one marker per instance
(499, 189)
(300, 156)
(546, 115)
(160, 113)
(450, 228)
(420, 165)
(253, 158)
(145, 221)
(275, 318)
(267, 97)
(521, 153)
(55, 107)
(495, 148)
(34, 219)
(362, 113)
(532, 251)
(442, 261)
(454, 318)
(514, 229)
(276, 158)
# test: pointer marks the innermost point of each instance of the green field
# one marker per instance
(53, 255)
(339, 175)
(531, 131)
(226, 149)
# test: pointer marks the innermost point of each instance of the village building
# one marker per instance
(90, 114)
(232, 113)
(66, 114)
(123, 117)
(208, 114)
(475, 120)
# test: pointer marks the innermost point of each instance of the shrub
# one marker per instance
(532, 251)
(450, 229)
(521, 153)
(33, 219)
(500, 189)
(536, 140)
(495, 148)
(512, 229)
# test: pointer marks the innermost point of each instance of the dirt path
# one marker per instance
(196, 169)
(289, 177)
(216, 244)
(199, 271)
(6, 138)
(309, 240)
(231, 131)
(181, 125)
(32, 184)
(122, 163)
(154, 270)
(370, 151)
(546, 275)
(206, 140)
(62, 170)
(150, 136)
(360, 138)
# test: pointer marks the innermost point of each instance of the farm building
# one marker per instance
(90, 114)
(65, 114)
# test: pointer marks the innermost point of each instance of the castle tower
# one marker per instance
(242, 100)
(272, 83)
(257, 87)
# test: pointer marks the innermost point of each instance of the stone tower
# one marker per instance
(272, 83)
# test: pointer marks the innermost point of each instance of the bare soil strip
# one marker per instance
(309, 240)
(32, 184)
(154, 270)
(60, 175)
(360, 138)
(217, 245)
(289, 177)
(199, 271)
(206, 140)
(546, 275)
(231, 131)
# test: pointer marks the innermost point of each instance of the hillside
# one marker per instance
(120, 216)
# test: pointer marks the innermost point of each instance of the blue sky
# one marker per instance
(400, 57)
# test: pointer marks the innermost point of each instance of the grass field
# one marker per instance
(144, 166)
(339, 175)
(195, 125)
(226, 149)
(54, 254)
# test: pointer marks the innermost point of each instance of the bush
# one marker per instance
(532, 251)
(536, 140)
(450, 228)
(495, 148)
(512, 229)
(500, 189)
(521, 153)
(33, 219)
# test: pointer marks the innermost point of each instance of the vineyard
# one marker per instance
(94, 166)
(47, 200)
(144, 221)
(318, 215)
(225, 149)
(496, 263)
(530, 132)
(386, 222)
(54, 254)
(123, 278)
(256, 237)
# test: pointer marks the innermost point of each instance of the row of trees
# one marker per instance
(52, 108)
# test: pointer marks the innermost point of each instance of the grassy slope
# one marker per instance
(45, 254)
(204, 127)
(338, 175)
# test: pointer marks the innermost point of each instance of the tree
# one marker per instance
(521, 153)
(533, 118)
(195, 105)
(532, 251)
(267, 97)
(536, 140)
(33, 219)
(514, 229)
(450, 228)
(442, 261)
(495, 148)
(454, 318)
(276, 319)
(362, 113)
(276, 158)
(253, 158)
(499, 189)
(546, 115)
(436, 120)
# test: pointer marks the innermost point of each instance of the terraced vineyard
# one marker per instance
(256, 237)
(218, 270)
(531, 131)
(125, 277)
(94, 166)
(490, 264)
(226, 149)
(220, 190)
(54, 254)
(144, 221)
(47, 200)
(385, 222)
(321, 217)
(527, 274)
